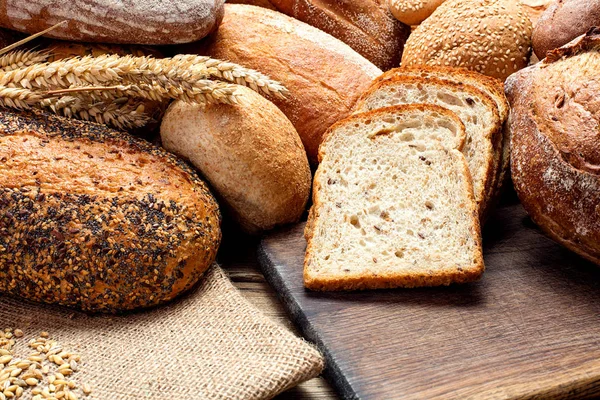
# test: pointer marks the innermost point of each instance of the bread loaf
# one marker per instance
(562, 22)
(250, 153)
(492, 37)
(365, 25)
(393, 207)
(107, 21)
(413, 12)
(323, 75)
(554, 127)
(97, 219)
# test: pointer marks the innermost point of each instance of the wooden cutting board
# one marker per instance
(529, 329)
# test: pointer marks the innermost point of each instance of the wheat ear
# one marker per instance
(22, 58)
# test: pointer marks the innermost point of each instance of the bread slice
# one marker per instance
(475, 109)
(392, 207)
(491, 86)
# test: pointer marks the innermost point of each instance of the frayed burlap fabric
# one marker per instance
(211, 344)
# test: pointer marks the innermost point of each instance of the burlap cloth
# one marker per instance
(211, 344)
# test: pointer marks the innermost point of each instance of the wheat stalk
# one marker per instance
(21, 58)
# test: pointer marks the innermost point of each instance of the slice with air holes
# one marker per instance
(392, 206)
(476, 110)
(491, 86)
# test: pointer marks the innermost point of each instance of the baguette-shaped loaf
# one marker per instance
(107, 21)
(393, 204)
(324, 75)
(554, 128)
(250, 154)
(96, 219)
(365, 25)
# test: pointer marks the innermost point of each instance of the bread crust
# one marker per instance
(562, 22)
(124, 22)
(492, 165)
(561, 195)
(250, 154)
(97, 219)
(383, 280)
(365, 25)
(324, 75)
(413, 12)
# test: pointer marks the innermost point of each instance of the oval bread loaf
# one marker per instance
(96, 219)
(250, 153)
(324, 75)
(413, 12)
(554, 127)
(365, 25)
(107, 21)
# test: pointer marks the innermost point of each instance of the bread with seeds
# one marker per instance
(393, 204)
(492, 37)
(413, 12)
(476, 110)
(97, 219)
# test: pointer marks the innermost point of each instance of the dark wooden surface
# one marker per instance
(529, 329)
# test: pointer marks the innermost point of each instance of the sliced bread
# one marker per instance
(476, 110)
(392, 206)
(491, 86)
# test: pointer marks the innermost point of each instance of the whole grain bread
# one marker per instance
(107, 21)
(365, 25)
(324, 75)
(96, 219)
(555, 163)
(476, 110)
(393, 206)
(250, 154)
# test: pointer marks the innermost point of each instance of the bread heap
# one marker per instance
(393, 203)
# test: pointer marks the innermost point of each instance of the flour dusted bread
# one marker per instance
(554, 127)
(115, 21)
(477, 111)
(96, 219)
(393, 204)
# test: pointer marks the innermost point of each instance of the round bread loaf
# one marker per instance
(413, 12)
(562, 22)
(108, 21)
(555, 131)
(492, 37)
(250, 153)
(365, 25)
(324, 75)
(97, 219)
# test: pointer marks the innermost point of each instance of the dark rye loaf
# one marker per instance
(97, 219)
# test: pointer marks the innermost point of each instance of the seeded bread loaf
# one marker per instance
(365, 25)
(393, 207)
(492, 37)
(476, 110)
(108, 21)
(96, 219)
(554, 127)
(324, 75)
(413, 12)
(250, 153)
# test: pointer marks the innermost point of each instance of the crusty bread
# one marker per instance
(562, 22)
(365, 25)
(492, 37)
(324, 75)
(392, 207)
(250, 153)
(96, 219)
(554, 126)
(476, 110)
(108, 21)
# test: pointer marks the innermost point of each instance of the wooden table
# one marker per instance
(238, 257)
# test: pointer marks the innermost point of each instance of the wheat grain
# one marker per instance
(21, 58)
